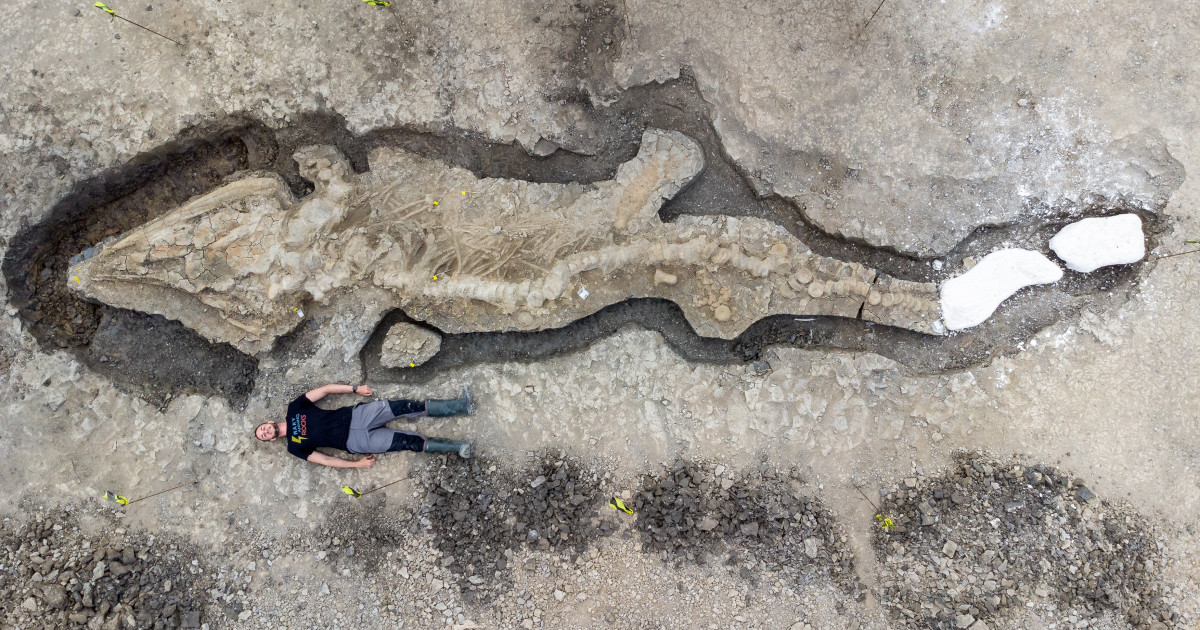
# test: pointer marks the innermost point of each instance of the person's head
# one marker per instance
(267, 431)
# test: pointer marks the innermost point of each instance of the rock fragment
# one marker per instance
(105, 579)
(408, 345)
(690, 512)
(550, 507)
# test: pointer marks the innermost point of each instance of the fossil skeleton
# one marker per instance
(238, 264)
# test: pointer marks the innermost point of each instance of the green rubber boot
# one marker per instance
(440, 445)
(461, 406)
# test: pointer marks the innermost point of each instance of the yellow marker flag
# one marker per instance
(104, 7)
(351, 491)
(113, 496)
(617, 504)
(378, 3)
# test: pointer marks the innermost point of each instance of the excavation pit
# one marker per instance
(37, 264)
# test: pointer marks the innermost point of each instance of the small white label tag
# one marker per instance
(300, 313)
(583, 293)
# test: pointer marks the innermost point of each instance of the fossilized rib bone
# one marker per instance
(238, 264)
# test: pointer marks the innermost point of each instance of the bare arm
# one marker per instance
(337, 462)
(325, 390)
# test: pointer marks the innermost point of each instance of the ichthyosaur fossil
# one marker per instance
(241, 263)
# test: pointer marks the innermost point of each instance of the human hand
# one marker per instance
(367, 461)
(365, 390)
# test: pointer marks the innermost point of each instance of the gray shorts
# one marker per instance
(367, 433)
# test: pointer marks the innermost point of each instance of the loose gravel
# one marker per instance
(992, 538)
(55, 575)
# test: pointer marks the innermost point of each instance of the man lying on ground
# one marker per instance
(360, 429)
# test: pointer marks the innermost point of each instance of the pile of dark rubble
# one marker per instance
(53, 575)
(991, 538)
(481, 514)
(695, 511)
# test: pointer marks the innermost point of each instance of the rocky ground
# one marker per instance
(1050, 481)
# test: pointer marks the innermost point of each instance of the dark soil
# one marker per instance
(181, 360)
(1023, 316)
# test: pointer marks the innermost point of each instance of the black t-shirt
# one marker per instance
(309, 426)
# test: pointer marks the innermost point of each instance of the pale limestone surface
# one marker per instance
(952, 120)
(240, 264)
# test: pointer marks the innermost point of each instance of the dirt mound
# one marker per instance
(57, 576)
(480, 516)
(992, 538)
(694, 511)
